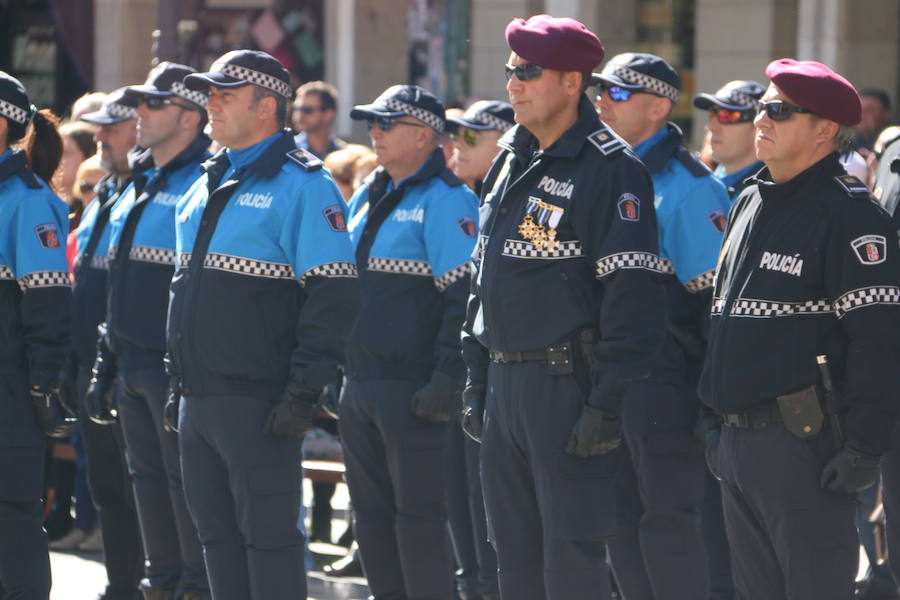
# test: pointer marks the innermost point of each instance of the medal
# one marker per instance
(534, 226)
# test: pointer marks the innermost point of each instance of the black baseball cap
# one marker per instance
(486, 114)
(734, 95)
(639, 71)
(117, 107)
(165, 81)
(399, 100)
(14, 103)
(242, 67)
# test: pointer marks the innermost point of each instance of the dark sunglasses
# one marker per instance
(86, 186)
(779, 110)
(469, 136)
(524, 72)
(729, 117)
(387, 123)
(307, 110)
(156, 103)
(616, 93)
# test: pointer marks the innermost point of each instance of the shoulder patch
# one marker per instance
(47, 235)
(629, 207)
(870, 249)
(718, 220)
(607, 142)
(334, 216)
(853, 186)
(305, 159)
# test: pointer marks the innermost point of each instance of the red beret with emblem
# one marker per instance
(557, 43)
(815, 87)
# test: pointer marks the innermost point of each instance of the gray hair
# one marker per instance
(843, 139)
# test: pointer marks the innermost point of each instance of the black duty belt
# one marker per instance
(759, 417)
(558, 355)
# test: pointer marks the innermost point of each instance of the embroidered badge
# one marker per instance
(870, 249)
(629, 207)
(47, 235)
(718, 220)
(540, 223)
(467, 224)
(334, 216)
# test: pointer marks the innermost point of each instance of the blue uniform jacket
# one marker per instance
(568, 242)
(34, 294)
(413, 248)
(142, 249)
(736, 182)
(691, 212)
(265, 287)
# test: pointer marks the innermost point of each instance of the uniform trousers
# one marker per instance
(790, 539)
(397, 476)
(549, 514)
(244, 489)
(890, 478)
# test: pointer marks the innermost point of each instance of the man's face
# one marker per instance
(393, 147)
(160, 125)
(232, 116)
(781, 142)
(874, 116)
(309, 116)
(471, 162)
(629, 117)
(113, 142)
(536, 102)
(730, 142)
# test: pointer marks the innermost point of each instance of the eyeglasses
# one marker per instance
(157, 103)
(387, 123)
(616, 93)
(307, 110)
(779, 110)
(469, 136)
(86, 186)
(729, 117)
(524, 72)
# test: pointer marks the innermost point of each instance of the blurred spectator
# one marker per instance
(313, 116)
(342, 166)
(876, 114)
(90, 102)
(364, 166)
(78, 144)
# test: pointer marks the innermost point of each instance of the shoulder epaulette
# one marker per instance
(305, 159)
(690, 162)
(853, 186)
(607, 142)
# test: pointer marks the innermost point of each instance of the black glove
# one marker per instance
(170, 410)
(849, 471)
(294, 414)
(437, 400)
(473, 411)
(329, 400)
(595, 433)
(68, 384)
(53, 418)
(100, 399)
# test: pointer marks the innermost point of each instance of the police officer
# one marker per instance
(886, 187)
(108, 479)
(730, 125)
(566, 312)
(170, 119)
(658, 551)
(474, 134)
(803, 349)
(34, 287)
(261, 303)
(413, 225)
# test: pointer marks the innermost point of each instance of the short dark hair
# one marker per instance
(328, 94)
(281, 103)
(880, 94)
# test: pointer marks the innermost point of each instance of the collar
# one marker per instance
(434, 166)
(16, 163)
(822, 171)
(265, 159)
(249, 155)
(656, 150)
(732, 179)
(524, 144)
(144, 168)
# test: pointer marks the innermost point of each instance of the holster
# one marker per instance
(802, 412)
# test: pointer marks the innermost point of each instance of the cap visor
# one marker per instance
(146, 90)
(469, 124)
(202, 81)
(364, 111)
(708, 101)
(102, 118)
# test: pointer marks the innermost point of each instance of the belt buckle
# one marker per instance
(739, 420)
(560, 359)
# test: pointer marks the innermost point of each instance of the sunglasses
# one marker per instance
(156, 103)
(86, 186)
(729, 117)
(307, 110)
(387, 123)
(779, 110)
(616, 93)
(469, 136)
(524, 72)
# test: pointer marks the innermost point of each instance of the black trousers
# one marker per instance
(790, 539)
(890, 478)
(549, 514)
(397, 476)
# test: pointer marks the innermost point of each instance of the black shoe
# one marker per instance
(349, 566)
(346, 539)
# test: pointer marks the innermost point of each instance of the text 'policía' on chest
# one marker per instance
(254, 200)
(561, 189)
(784, 263)
(415, 214)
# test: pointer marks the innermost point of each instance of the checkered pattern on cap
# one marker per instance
(334, 269)
(117, 110)
(653, 84)
(627, 260)
(742, 99)
(6, 273)
(869, 296)
(452, 276)
(701, 282)
(11, 111)
(160, 256)
(522, 249)
(426, 116)
(248, 266)
(768, 308)
(44, 279)
(255, 77)
(491, 121)
(182, 91)
(399, 265)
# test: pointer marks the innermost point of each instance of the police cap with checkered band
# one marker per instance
(165, 81)
(242, 67)
(14, 103)
(637, 71)
(117, 107)
(485, 114)
(404, 100)
(734, 95)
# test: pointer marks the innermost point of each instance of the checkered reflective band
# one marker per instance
(717, 306)
(255, 77)
(248, 266)
(701, 282)
(657, 86)
(160, 256)
(44, 279)
(665, 267)
(523, 249)
(490, 120)
(452, 276)
(197, 97)
(183, 259)
(6, 273)
(11, 111)
(766, 308)
(426, 116)
(869, 296)
(120, 110)
(335, 269)
(479, 248)
(627, 260)
(100, 263)
(399, 265)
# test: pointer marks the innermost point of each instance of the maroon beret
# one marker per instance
(815, 87)
(557, 43)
